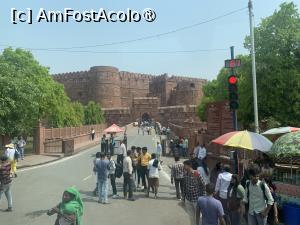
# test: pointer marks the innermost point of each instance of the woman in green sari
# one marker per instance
(70, 210)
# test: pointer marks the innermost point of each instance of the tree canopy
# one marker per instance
(29, 94)
(277, 45)
(93, 113)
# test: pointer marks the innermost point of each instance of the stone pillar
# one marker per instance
(39, 139)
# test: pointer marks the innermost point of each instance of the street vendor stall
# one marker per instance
(286, 155)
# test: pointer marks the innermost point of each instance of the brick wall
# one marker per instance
(111, 88)
(52, 140)
(219, 118)
(120, 116)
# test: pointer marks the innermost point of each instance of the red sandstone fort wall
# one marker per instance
(111, 88)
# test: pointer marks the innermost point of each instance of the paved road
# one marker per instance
(38, 189)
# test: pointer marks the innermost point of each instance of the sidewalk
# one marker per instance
(35, 160)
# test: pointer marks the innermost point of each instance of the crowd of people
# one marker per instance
(214, 196)
(179, 146)
(108, 144)
(140, 170)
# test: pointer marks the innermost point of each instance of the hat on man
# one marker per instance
(11, 145)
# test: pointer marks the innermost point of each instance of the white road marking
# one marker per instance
(165, 175)
(58, 161)
(86, 178)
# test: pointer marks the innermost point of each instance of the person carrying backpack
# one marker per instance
(273, 213)
(13, 155)
(112, 177)
(154, 167)
(259, 198)
(235, 195)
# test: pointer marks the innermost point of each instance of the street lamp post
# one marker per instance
(250, 6)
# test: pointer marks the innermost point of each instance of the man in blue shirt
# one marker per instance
(102, 167)
(210, 208)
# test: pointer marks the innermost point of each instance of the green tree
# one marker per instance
(78, 112)
(93, 114)
(277, 42)
(29, 94)
(201, 108)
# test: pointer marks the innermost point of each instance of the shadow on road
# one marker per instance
(182, 205)
(35, 214)
(86, 193)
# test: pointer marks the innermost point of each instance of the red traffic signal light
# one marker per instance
(232, 79)
(233, 92)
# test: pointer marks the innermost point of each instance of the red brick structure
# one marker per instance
(126, 97)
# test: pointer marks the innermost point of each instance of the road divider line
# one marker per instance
(86, 178)
(63, 159)
(164, 174)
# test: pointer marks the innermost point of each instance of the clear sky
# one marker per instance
(170, 15)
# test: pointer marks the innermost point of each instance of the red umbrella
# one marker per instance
(113, 129)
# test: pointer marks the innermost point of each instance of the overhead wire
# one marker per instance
(67, 49)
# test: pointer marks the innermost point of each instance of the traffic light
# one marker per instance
(233, 92)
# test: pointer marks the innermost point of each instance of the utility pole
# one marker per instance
(250, 6)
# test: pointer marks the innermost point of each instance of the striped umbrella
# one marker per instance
(281, 130)
(244, 139)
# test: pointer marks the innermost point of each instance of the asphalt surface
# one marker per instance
(38, 189)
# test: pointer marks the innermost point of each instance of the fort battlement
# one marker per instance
(103, 70)
(70, 74)
(116, 89)
(185, 78)
(130, 75)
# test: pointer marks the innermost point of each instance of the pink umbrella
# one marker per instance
(113, 129)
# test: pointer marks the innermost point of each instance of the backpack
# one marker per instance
(155, 163)
(234, 202)
(119, 170)
(16, 155)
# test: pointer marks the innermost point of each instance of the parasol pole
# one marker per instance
(291, 168)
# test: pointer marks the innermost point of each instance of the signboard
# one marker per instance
(232, 63)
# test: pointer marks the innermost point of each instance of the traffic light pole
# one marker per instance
(234, 113)
(250, 6)
(234, 118)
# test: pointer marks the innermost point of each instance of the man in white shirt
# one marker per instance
(154, 167)
(222, 184)
(200, 152)
(122, 153)
(127, 174)
(259, 198)
(158, 150)
(10, 152)
(20, 146)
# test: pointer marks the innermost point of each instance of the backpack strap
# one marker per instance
(247, 185)
(263, 188)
